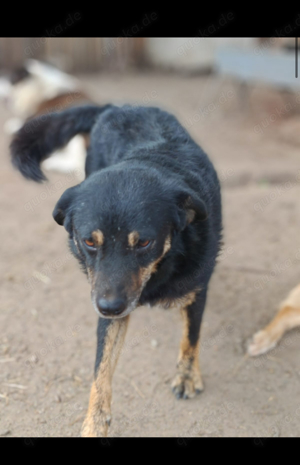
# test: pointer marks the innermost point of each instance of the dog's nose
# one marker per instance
(111, 307)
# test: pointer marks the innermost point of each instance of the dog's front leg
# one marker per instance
(188, 382)
(287, 318)
(110, 336)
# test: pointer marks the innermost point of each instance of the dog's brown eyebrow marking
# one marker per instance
(98, 237)
(133, 238)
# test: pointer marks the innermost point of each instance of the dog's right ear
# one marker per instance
(62, 212)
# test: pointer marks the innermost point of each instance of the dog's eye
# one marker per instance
(143, 244)
(89, 243)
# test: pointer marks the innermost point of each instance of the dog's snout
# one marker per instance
(111, 307)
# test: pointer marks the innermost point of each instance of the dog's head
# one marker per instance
(121, 225)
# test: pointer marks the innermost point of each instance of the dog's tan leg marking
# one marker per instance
(98, 416)
(287, 318)
(187, 382)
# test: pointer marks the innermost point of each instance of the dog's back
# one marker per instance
(153, 137)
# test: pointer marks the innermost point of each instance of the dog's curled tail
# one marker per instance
(41, 136)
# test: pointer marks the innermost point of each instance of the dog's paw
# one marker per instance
(262, 342)
(187, 386)
(96, 426)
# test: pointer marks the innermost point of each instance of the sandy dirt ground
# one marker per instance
(48, 324)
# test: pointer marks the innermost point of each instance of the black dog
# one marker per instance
(145, 226)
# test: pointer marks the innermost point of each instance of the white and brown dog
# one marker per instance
(38, 88)
(287, 318)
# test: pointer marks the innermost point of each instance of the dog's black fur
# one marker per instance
(144, 174)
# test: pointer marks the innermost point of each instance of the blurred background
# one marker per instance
(240, 100)
(94, 54)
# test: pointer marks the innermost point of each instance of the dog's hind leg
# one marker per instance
(187, 382)
(110, 335)
(287, 318)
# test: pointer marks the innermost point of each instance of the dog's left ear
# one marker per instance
(190, 207)
(62, 210)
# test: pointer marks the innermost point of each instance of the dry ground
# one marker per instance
(47, 323)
